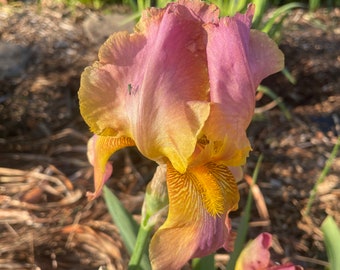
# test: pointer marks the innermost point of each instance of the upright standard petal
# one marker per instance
(238, 59)
(197, 223)
(176, 82)
(231, 80)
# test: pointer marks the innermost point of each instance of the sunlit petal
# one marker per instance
(104, 86)
(176, 52)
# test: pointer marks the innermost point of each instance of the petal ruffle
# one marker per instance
(206, 13)
(100, 148)
(197, 223)
(265, 56)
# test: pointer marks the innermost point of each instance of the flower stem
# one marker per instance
(142, 243)
(322, 176)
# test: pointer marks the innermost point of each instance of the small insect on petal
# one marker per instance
(130, 88)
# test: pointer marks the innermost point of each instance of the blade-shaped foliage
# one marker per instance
(205, 263)
(127, 226)
(331, 234)
(267, 91)
(281, 11)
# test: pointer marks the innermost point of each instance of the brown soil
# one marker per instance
(45, 219)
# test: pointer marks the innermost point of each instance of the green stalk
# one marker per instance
(313, 5)
(133, 236)
(260, 8)
(331, 234)
(141, 247)
(267, 91)
(322, 176)
(205, 263)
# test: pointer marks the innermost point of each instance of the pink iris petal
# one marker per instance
(231, 80)
(287, 266)
(179, 99)
(238, 59)
(256, 256)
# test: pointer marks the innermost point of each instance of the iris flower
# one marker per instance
(181, 88)
(256, 256)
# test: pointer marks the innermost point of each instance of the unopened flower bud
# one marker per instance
(156, 198)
